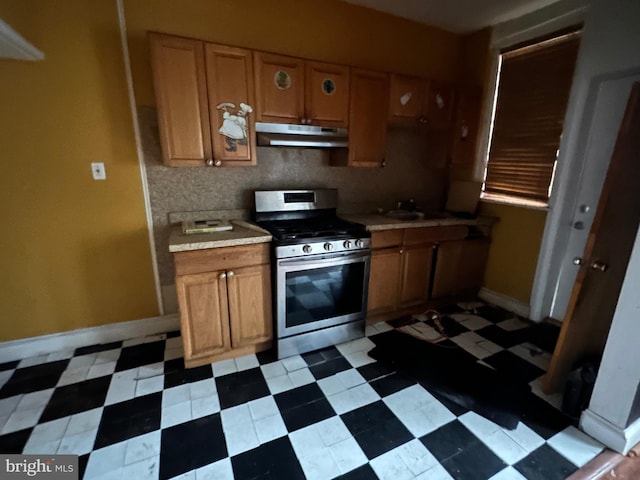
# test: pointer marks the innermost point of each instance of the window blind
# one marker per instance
(533, 91)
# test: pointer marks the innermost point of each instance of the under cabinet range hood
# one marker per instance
(306, 136)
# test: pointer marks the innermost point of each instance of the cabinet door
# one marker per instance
(250, 305)
(327, 94)
(467, 126)
(204, 314)
(231, 103)
(368, 118)
(406, 99)
(181, 97)
(279, 88)
(439, 105)
(384, 280)
(416, 274)
(445, 278)
(473, 262)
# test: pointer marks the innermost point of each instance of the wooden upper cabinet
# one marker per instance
(205, 100)
(183, 111)
(292, 90)
(232, 104)
(327, 94)
(439, 104)
(369, 103)
(467, 126)
(279, 88)
(406, 99)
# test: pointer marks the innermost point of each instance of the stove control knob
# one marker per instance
(328, 247)
(347, 244)
(306, 249)
(359, 243)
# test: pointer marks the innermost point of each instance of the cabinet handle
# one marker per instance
(217, 163)
(401, 250)
(230, 274)
(222, 276)
(209, 162)
(383, 163)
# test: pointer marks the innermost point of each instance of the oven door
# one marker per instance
(321, 291)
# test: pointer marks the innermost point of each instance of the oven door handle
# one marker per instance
(325, 260)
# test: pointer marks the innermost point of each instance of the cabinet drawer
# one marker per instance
(414, 236)
(211, 259)
(387, 238)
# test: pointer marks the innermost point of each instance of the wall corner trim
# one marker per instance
(504, 301)
(13, 45)
(619, 439)
(82, 337)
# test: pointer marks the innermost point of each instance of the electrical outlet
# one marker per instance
(98, 171)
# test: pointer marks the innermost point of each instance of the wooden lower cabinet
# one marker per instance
(384, 280)
(227, 312)
(460, 267)
(416, 274)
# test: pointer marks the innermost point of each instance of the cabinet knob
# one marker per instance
(230, 274)
(209, 162)
(217, 163)
(597, 265)
(383, 163)
(401, 250)
(222, 276)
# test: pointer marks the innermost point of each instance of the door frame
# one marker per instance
(566, 192)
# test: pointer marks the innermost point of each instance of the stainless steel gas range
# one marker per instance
(321, 269)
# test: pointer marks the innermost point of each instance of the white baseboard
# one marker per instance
(82, 337)
(504, 301)
(614, 437)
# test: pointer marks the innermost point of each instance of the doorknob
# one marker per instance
(578, 261)
(578, 225)
(599, 266)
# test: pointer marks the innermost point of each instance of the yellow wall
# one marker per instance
(74, 251)
(514, 249)
(328, 30)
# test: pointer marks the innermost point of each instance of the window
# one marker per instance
(532, 91)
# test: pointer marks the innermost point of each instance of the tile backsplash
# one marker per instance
(415, 169)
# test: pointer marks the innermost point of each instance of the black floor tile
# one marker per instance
(175, 374)
(102, 347)
(299, 417)
(451, 405)
(129, 419)
(322, 355)
(391, 384)
(173, 334)
(274, 460)
(511, 365)
(544, 335)
(76, 398)
(449, 440)
(476, 462)
(502, 337)
(365, 472)
(267, 356)
(298, 396)
(191, 445)
(329, 367)
(543, 418)
(402, 321)
(241, 387)
(451, 327)
(9, 365)
(374, 370)
(32, 379)
(545, 464)
(493, 314)
(82, 464)
(14, 442)
(376, 429)
(450, 309)
(139, 355)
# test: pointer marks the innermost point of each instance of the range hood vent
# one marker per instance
(306, 136)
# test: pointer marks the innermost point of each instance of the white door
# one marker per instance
(612, 97)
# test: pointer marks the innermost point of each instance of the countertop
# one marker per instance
(375, 222)
(243, 233)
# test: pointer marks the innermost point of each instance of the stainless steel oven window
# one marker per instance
(320, 292)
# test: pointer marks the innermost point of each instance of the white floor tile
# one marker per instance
(416, 456)
(61, 355)
(470, 306)
(554, 399)
(132, 342)
(270, 428)
(186, 476)
(220, 470)
(353, 398)
(479, 426)
(120, 390)
(436, 473)
(390, 466)
(224, 367)
(48, 431)
(147, 469)
(505, 447)
(81, 361)
(41, 448)
(291, 364)
(525, 437)
(340, 382)
(8, 405)
(575, 446)
(239, 429)
(358, 359)
(246, 362)
(32, 361)
(201, 407)
(35, 399)
(490, 347)
(107, 356)
(142, 447)
(273, 370)
(475, 323)
(319, 467)
(5, 376)
(512, 324)
(21, 419)
(151, 370)
(174, 395)
(307, 443)
(76, 375)
(78, 444)
(173, 353)
(263, 407)
(176, 414)
(348, 455)
(332, 431)
(101, 369)
(359, 345)
(84, 422)
(106, 459)
(149, 385)
(532, 354)
(411, 398)
(203, 388)
(279, 384)
(301, 377)
(508, 473)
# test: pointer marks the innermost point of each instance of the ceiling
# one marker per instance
(459, 16)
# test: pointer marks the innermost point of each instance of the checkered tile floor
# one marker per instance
(131, 411)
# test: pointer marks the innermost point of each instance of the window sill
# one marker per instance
(514, 201)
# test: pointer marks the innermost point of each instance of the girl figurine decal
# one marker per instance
(234, 126)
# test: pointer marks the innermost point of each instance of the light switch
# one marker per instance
(98, 171)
